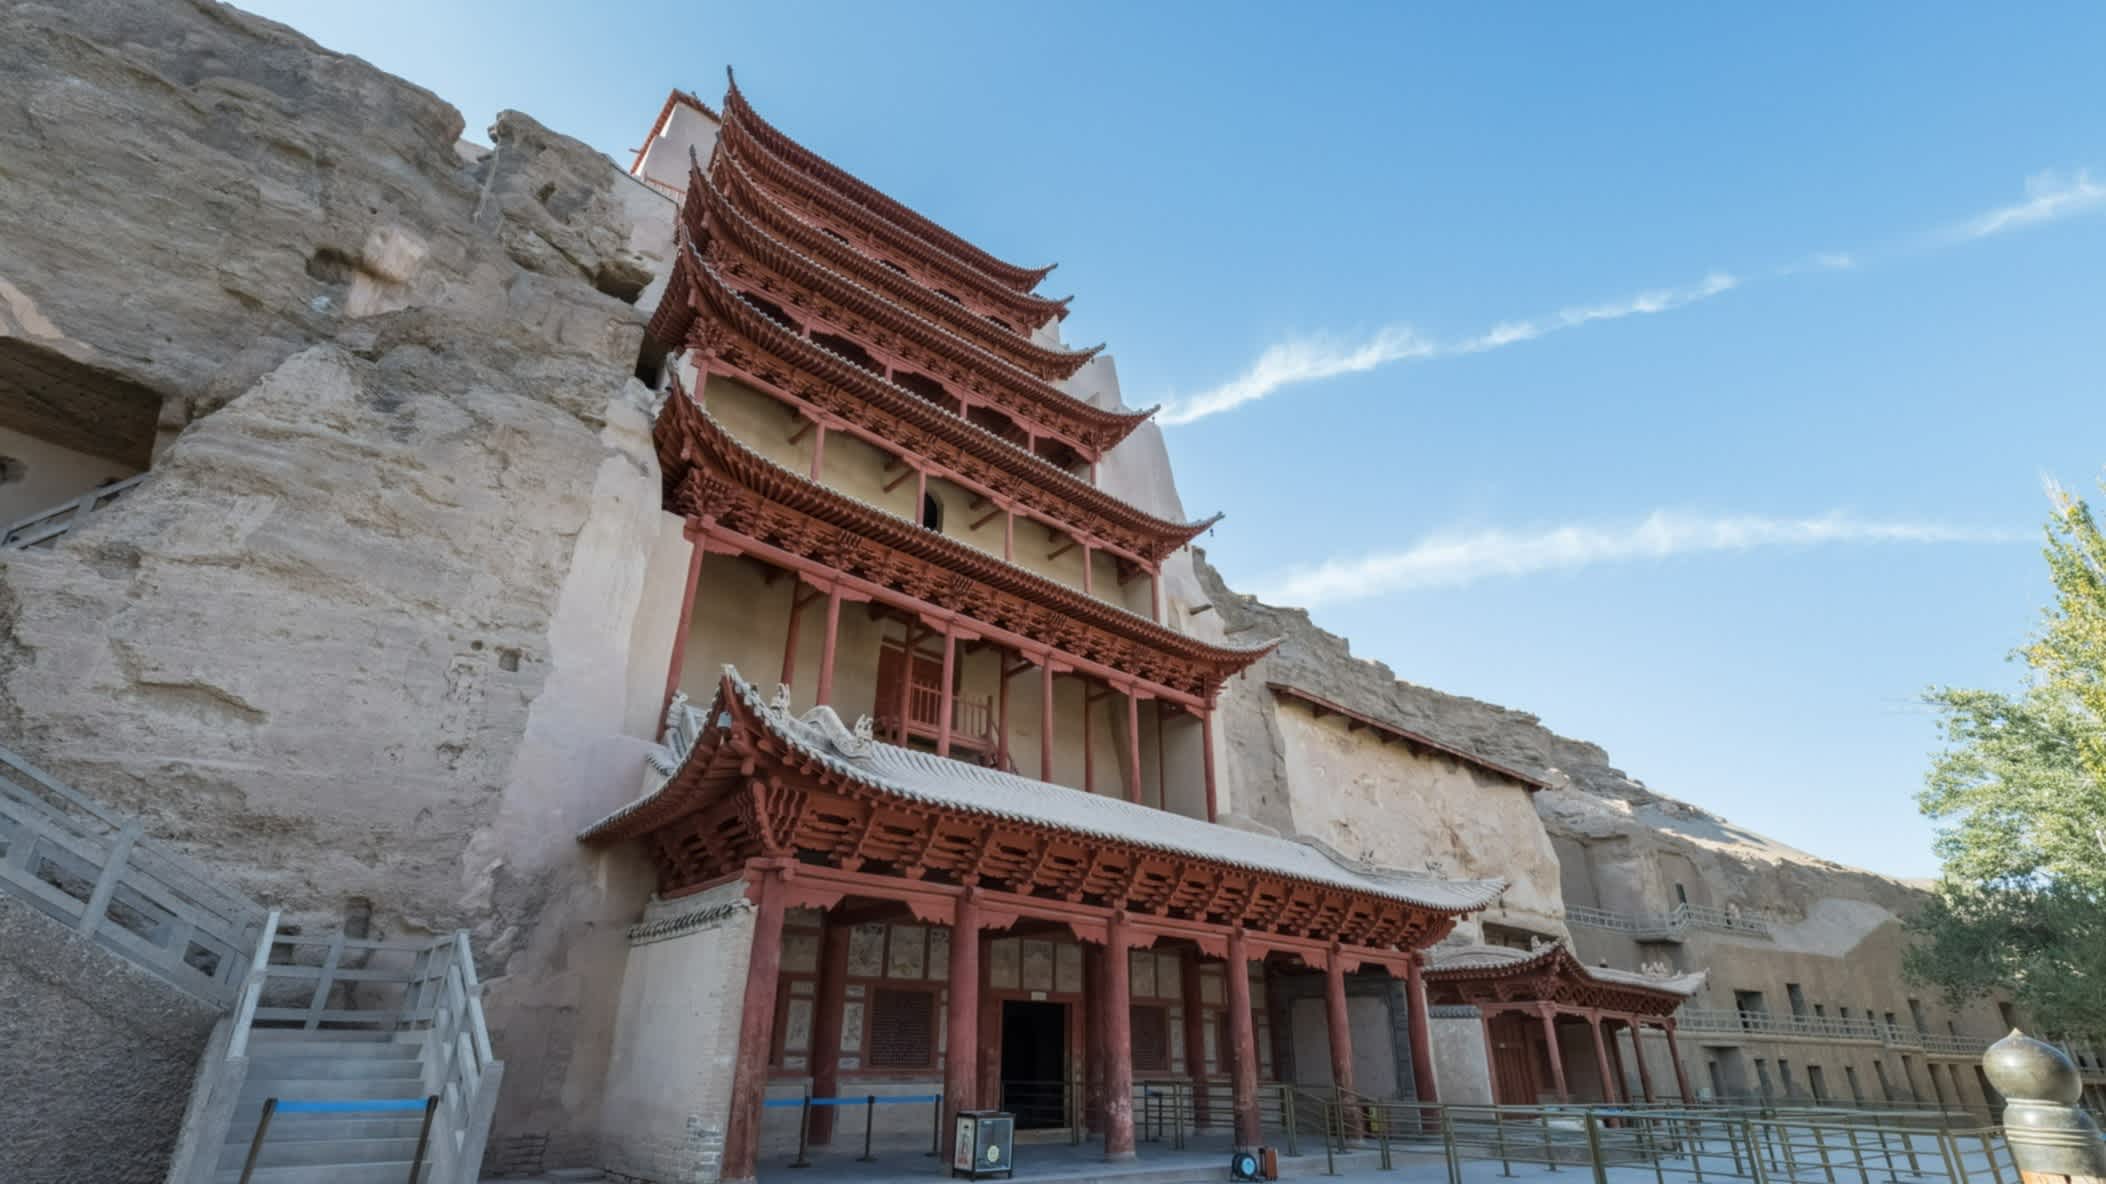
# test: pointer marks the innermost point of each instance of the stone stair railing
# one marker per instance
(46, 525)
(92, 870)
(421, 993)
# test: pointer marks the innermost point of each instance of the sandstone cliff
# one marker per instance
(361, 641)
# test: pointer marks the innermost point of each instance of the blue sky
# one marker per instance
(1722, 351)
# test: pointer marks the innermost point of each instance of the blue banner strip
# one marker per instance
(785, 1103)
(376, 1105)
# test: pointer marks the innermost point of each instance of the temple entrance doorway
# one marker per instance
(1034, 1063)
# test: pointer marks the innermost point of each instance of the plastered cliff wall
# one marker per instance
(362, 642)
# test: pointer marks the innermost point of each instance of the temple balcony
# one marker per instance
(853, 465)
(1762, 1025)
(1003, 705)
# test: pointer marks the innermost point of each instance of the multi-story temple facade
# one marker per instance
(978, 815)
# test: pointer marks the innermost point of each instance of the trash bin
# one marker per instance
(982, 1143)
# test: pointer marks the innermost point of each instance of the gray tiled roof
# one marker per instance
(924, 777)
(1501, 957)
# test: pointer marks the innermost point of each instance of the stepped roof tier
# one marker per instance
(1485, 975)
(748, 779)
(881, 237)
(733, 188)
(741, 248)
(747, 504)
(735, 338)
(737, 110)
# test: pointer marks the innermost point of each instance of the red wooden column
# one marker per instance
(1045, 717)
(1195, 1037)
(1485, 1016)
(1243, 1043)
(1133, 746)
(943, 700)
(1422, 1078)
(1118, 1042)
(906, 680)
(1557, 1059)
(1645, 1075)
(819, 452)
(1341, 1032)
(1155, 591)
(789, 638)
(749, 1077)
(1206, 748)
(1094, 1013)
(1674, 1054)
(962, 1013)
(826, 1026)
(1601, 1057)
(686, 623)
(1089, 745)
(826, 651)
(1002, 673)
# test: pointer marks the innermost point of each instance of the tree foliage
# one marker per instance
(2020, 793)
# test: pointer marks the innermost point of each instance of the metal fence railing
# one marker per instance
(1815, 1027)
(46, 525)
(1680, 1144)
(1669, 926)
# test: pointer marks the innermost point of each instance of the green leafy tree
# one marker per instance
(2020, 793)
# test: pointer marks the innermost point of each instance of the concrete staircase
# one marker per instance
(295, 1064)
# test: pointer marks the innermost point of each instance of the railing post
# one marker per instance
(1454, 1158)
(106, 884)
(1601, 1170)
(263, 1125)
(804, 1133)
(2051, 1138)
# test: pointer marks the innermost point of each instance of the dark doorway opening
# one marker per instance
(1034, 1063)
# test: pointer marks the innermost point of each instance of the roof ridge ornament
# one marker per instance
(780, 703)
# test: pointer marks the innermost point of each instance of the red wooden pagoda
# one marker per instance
(877, 414)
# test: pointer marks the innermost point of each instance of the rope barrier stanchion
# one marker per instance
(804, 1134)
(869, 1122)
(431, 1111)
(248, 1169)
(272, 1107)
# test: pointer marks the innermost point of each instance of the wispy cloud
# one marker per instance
(2049, 196)
(1308, 359)
(1302, 360)
(1455, 560)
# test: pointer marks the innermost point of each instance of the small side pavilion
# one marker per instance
(1532, 1002)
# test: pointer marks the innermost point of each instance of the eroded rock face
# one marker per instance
(367, 630)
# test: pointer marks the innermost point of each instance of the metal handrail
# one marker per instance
(40, 527)
(1811, 1027)
(1670, 924)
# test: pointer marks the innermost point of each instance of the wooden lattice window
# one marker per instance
(902, 1029)
(1151, 1039)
